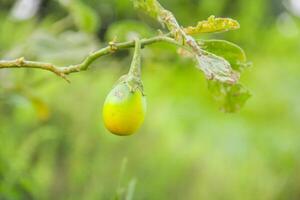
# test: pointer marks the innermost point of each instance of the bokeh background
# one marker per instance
(53, 144)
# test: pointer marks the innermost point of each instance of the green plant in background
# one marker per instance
(219, 60)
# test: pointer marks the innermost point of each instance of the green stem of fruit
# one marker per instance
(135, 67)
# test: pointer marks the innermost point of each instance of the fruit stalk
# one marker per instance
(135, 67)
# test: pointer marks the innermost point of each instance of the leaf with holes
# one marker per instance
(230, 98)
(216, 68)
(227, 50)
(212, 25)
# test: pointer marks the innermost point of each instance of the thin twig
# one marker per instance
(84, 65)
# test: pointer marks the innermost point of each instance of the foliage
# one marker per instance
(230, 98)
(219, 60)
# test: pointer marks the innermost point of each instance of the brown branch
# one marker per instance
(84, 65)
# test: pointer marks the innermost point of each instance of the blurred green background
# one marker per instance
(53, 144)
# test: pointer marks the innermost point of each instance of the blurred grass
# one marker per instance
(186, 148)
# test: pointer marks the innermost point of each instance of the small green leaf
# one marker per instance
(212, 25)
(151, 7)
(230, 98)
(229, 51)
(84, 16)
(216, 68)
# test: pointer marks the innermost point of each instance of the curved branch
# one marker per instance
(84, 65)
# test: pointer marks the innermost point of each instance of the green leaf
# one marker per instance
(151, 7)
(229, 51)
(216, 68)
(230, 98)
(212, 25)
(84, 16)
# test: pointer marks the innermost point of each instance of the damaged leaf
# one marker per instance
(227, 50)
(212, 25)
(230, 98)
(217, 68)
